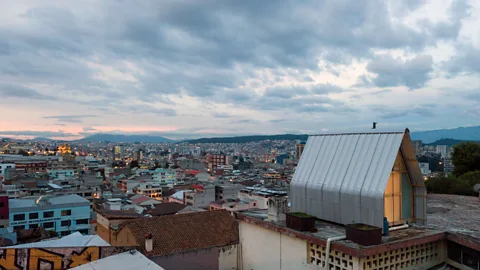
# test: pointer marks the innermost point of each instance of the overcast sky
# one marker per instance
(194, 68)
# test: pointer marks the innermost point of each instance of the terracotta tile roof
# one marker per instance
(183, 233)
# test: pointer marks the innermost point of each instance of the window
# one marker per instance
(17, 228)
(66, 213)
(81, 221)
(48, 225)
(18, 217)
(33, 226)
(1, 204)
(33, 215)
(66, 223)
(254, 204)
(48, 214)
(88, 194)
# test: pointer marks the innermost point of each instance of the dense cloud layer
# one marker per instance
(213, 67)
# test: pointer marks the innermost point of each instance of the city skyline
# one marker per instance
(204, 69)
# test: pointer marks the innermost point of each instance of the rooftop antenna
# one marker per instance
(374, 125)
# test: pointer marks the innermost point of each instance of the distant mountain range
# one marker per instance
(253, 138)
(448, 142)
(433, 137)
(460, 133)
(118, 138)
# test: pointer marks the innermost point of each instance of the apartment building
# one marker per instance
(201, 196)
(164, 176)
(62, 214)
(152, 190)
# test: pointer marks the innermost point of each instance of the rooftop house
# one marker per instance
(360, 178)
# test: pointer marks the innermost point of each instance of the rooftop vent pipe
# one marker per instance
(148, 242)
(374, 125)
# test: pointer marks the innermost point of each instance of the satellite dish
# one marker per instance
(476, 188)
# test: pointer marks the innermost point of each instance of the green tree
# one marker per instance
(472, 178)
(466, 158)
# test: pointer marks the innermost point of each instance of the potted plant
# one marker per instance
(363, 234)
(300, 221)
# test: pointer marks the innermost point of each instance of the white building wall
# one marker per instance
(227, 258)
(266, 249)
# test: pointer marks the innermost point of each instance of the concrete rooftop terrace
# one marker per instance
(452, 217)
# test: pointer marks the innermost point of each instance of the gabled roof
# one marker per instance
(183, 233)
(342, 177)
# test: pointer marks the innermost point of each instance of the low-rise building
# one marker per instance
(32, 166)
(233, 205)
(164, 176)
(108, 221)
(62, 214)
(3, 169)
(201, 196)
(61, 174)
(260, 195)
(199, 240)
(226, 192)
(152, 190)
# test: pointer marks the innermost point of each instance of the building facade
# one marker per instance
(3, 169)
(32, 167)
(119, 152)
(4, 212)
(62, 214)
(201, 196)
(164, 176)
(152, 190)
(61, 174)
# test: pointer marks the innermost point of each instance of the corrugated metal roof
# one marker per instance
(342, 177)
(127, 260)
(72, 240)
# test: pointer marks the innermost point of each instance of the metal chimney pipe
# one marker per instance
(148, 242)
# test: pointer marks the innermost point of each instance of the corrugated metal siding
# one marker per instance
(342, 177)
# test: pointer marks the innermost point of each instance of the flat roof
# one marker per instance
(456, 215)
(71, 200)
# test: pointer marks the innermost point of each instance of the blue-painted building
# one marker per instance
(63, 214)
(61, 174)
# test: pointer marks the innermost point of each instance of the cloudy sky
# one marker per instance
(194, 68)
